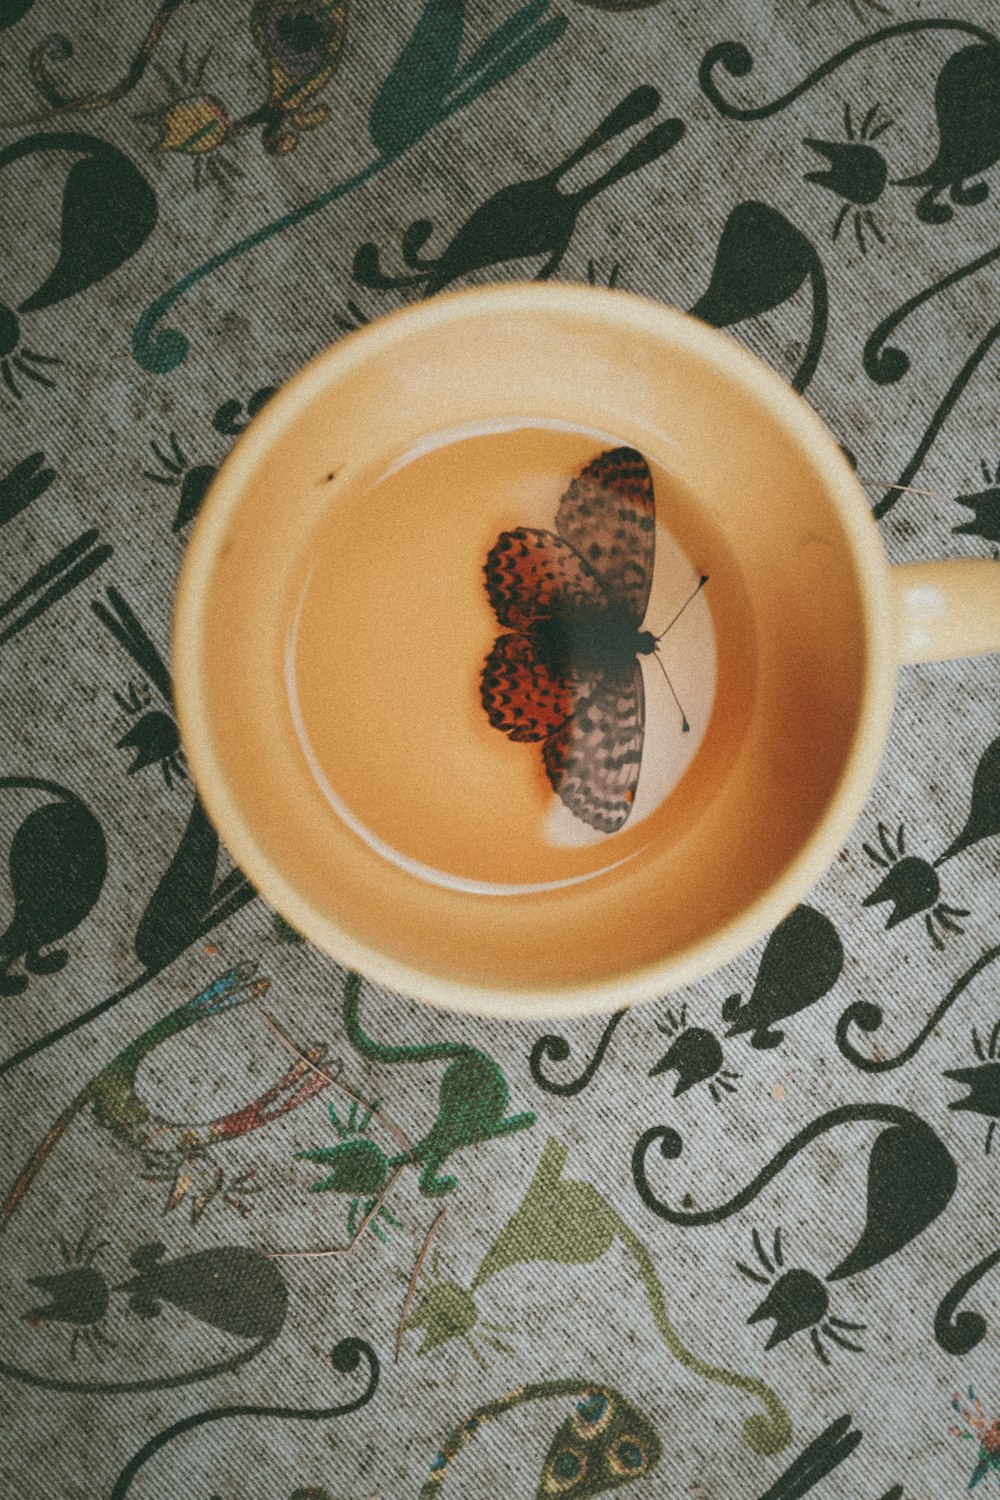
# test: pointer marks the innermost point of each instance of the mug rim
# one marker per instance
(876, 698)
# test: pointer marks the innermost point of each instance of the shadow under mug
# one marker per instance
(809, 625)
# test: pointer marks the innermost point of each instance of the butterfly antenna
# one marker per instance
(690, 598)
(685, 726)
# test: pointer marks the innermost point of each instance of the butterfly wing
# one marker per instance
(519, 693)
(608, 515)
(592, 723)
(592, 760)
(532, 574)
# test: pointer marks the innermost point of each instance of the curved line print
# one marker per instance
(738, 62)
(958, 1334)
(937, 421)
(375, 1051)
(571, 1202)
(453, 1443)
(554, 1048)
(129, 1387)
(59, 47)
(396, 122)
(37, 784)
(117, 1078)
(42, 1043)
(821, 309)
(39, 1157)
(344, 1357)
(237, 894)
(161, 351)
(885, 366)
(869, 1017)
(762, 1435)
(671, 1147)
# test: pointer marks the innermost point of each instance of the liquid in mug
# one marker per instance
(500, 654)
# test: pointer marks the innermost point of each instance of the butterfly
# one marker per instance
(573, 601)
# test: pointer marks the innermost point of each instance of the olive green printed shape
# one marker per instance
(762, 1434)
(448, 1311)
(570, 1222)
(596, 1400)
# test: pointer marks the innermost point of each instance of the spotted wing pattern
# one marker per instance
(592, 760)
(520, 695)
(608, 515)
(591, 719)
(532, 574)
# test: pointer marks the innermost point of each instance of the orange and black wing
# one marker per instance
(519, 693)
(533, 574)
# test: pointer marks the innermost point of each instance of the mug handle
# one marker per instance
(946, 610)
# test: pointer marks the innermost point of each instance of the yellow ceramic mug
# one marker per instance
(430, 868)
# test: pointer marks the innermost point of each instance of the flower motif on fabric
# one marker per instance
(193, 123)
(358, 1166)
(78, 1296)
(982, 1081)
(985, 507)
(695, 1054)
(978, 1428)
(447, 1311)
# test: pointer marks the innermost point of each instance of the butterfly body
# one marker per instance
(589, 641)
(573, 601)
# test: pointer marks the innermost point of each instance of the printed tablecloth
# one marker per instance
(740, 1244)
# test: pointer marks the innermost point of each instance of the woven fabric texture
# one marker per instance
(801, 1292)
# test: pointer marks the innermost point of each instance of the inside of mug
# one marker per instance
(745, 485)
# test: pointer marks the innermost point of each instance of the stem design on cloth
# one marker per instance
(912, 1177)
(738, 63)
(959, 1332)
(344, 1357)
(425, 86)
(762, 1434)
(868, 1017)
(944, 409)
(569, 1222)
